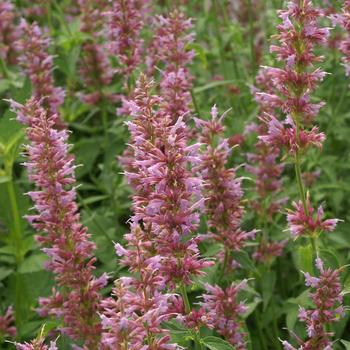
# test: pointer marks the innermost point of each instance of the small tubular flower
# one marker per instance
(64, 239)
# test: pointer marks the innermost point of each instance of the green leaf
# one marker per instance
(268, 286)
(212, 85)
(33, 263)
(252, 306)
(178, 332)
(304, 258)
(346, 344)
(243, 258)
(4, 272)
(215, 343)
(86, 152)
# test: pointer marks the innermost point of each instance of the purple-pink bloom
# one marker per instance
(38, 64)
(63, 238)
(221, 188)
(343, 19)
(327, 297)
(303, 221)
(10, 32)
(169, 48)
(7, 324)
(37, 344)
(125, 22)
(95, 68)
(292, 84)
(224, 312)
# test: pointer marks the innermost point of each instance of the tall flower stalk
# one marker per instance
(265, 166)
(95, 68)
(125, 22)
(161, 248)
(63, 238)
(343, 19)
(294, 82)
(9, 34)
(38, 65)
(170, 48)
(326, 295)
(222, 190)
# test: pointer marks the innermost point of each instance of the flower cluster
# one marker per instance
(169, 48)
(160, 251)
(267, 169)
(65, 240)
(7, 328)
(37, 344)
(125, 22)
(38, 64)
(9, 33)
(327, 298)
(224, 312)
(95, 68)
(298, 34)
(221, 189)
(343, 19)
(302, 221)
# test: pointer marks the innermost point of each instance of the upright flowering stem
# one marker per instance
(298, 34)
(267, 169)
(9, 34)
(65, 239)
(125, 22)
(343, 19)
(222, 190)
(38, 64)
(169, 47)
(327, 297)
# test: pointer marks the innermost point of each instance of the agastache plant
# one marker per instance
(294, 82)
(125, 22)
(170, 49)
(221, 189)
(267, 170)
(95, 68)
(9, 34)
(326, 295)
(224, 312)
(38, 65)
(7, 324)
(343, 19)
(161, 248)
(63, 238)
(37, 344)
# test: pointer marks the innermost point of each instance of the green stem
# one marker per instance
(222, 272)
(4, 69)
(195, 105)
(297, 167)
(16, 234)
(184, 295)
(260, 330)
